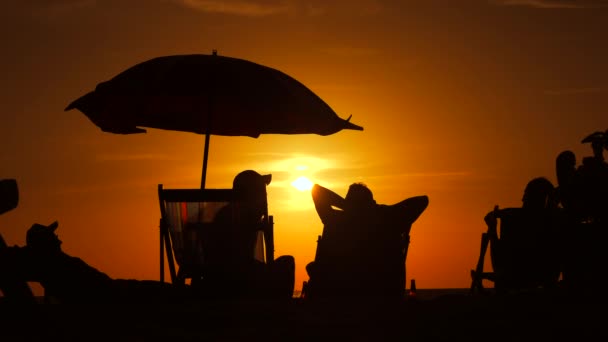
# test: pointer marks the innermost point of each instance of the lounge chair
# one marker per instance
(526, 252)
(186, 232)
(333, 275)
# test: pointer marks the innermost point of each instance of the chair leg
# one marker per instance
(477, 274)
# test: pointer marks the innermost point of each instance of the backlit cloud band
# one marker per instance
(554, 4)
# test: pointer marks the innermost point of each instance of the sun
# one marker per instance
(302, 183)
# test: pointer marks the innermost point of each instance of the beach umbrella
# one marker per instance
(210, 95)
(598, 137)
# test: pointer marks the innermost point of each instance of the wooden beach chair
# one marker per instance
(322, 283)
(525, 257)
(187, 217)
(478, 274)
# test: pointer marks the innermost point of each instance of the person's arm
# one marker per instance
(411, 208)
(324, 200)
(491, 220)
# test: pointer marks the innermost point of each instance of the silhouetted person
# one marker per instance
(235, 270)
(593, 181)
(66, 277)
(587, 214)
(565, 169)
(528, 252)
(599, 142)
(14, 288)
(363, 246)
(69, 279)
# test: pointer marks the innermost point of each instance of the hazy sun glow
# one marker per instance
(302, 183)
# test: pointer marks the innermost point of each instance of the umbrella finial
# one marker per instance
(214, 52)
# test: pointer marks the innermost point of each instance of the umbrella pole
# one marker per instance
(205, 157)
(208, 134)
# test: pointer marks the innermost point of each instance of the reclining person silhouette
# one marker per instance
(233, 269)
(69, 279)
(363, 247)
(14, 289)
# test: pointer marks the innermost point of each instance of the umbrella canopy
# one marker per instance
(597, 137)
(208, 94)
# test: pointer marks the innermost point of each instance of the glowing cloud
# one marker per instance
(553, 4)
(244, 8)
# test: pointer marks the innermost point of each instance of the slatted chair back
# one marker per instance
(187, 217)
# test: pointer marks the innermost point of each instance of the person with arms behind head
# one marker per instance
(362, 249)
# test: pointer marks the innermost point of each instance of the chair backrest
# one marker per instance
(187, 217)
(370, 265)
(529, 248)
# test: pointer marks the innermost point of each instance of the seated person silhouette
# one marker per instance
(233, 269)
(565, 170)
(584, 197)
(69, 279)
(583, 190)
(363, 245)
(528, 252)
(592, 182)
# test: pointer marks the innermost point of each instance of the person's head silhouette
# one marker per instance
(250, 189)
(565, 167)
(359, 196)
(566, 160)
(250, 182)
(41, 238)
(537, 193)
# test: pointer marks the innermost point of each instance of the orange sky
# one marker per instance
(463, 102)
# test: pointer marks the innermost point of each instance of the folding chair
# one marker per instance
(478, 274)
(322, 282)
(187, 215)
(526, 255)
